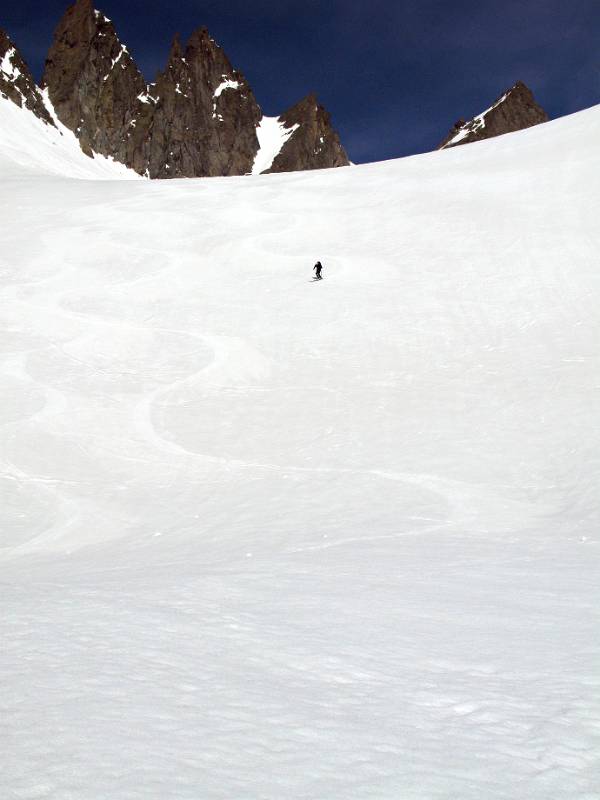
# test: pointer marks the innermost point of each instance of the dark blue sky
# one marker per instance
(394, 75)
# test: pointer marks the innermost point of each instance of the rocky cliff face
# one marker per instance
(514, 110)
(199, 118)
(92, 81)
(16, 81)
(313, 144)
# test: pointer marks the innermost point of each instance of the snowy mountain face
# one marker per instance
(263, 537)
(514, 110)
(200, 117)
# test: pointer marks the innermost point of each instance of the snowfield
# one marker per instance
(30, 148)
(269, 538)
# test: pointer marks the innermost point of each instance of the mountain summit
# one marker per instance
(514, 110)
(92, 81)
(313, 143)
(199, 118)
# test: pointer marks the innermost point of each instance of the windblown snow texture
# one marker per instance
(266, 541)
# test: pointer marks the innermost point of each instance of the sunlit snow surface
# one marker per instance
(268, 538)
(30, 147)
(272, 135)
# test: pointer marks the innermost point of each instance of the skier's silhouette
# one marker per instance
(317, 268)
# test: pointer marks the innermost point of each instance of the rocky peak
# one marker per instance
(16, 81)
(92, 80)
(514, 110)
(313, 143)
(176, 51)
(200, 117)
(205, 117)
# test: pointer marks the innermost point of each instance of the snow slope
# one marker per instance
(268, 538)
(29, 146)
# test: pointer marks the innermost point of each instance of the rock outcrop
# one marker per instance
(313, 144)
(199, 118)
(92, 81)
(514, 110)
(17, 82)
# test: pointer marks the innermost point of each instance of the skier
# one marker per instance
(317, 268)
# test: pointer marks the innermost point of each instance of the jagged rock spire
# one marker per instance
(514, 110)
(314, 144)
(16, 81)
(205, 115)
(176, 51)
(92, 80)
(199, 118)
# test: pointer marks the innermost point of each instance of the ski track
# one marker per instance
(262, 540)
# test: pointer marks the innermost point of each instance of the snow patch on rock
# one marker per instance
(476, 124)
(226, 84)
(100, 16)
(272, 135)
(8, 68)
(146, 97)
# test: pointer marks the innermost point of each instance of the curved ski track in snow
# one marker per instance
(269, 538)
